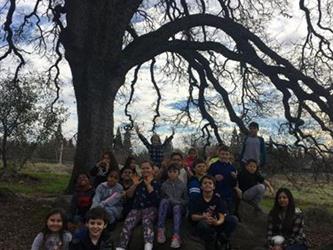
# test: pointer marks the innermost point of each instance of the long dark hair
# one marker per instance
(46, 231)
(287, 222)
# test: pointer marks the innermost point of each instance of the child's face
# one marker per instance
(224, 156)
(127, 174)
(200, 169)
(82, 180)
(283, 200)
(95, 227)
(253, 131)
(193, 154)
(54, 223)
(112, 179)
(251, 167)
(146, 170)
(177, 159)
(207, 185)
(155, 140)
(173, 174)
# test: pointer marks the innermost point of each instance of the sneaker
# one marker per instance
(161, 236)
(148, 246)
(175, 241)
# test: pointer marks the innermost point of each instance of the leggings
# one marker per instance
(177, 210)
(147, 215)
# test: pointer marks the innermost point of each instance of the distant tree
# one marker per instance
(127, 144)
(25, 116)
(118, 141)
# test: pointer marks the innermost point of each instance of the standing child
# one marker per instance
(252, 184)
(54, 235)
(194, 185)
(253, 146)
(108, 195)
(146, 197)
(174, 199)
(82, 198)
(210, 216)
(155, 148)
(285, 228)
(96, 236)
(225, 175)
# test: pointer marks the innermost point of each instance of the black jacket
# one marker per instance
(104, 243)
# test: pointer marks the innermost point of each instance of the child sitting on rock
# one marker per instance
(174, 199)
(108, 195)
(81, 199)
(252, 184)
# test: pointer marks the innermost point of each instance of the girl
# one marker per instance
(81, 199)
(145, 193)
(108, 195)
(285, 224)
(54, 235)
(155, 148)
(102, 168)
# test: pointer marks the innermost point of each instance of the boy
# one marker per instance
(252, 184)
(212, 222)
(108, 195)
(174, 198)
(194, 186)
(226, 177)
(95, 237)
(253, 147)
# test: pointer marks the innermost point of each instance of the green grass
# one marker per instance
(39, 181)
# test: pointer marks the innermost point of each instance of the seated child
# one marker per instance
(174, 199)
(95, 236)
(285, 228)
(54, 235)
(191, 157)
(102, 168)
(210, 217)
(81, 199)
(225, 175)
(126, 180)
(108, 195)
(194, 185)
(252, 184)
(146, 197)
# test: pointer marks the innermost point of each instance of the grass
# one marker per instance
(39, 179)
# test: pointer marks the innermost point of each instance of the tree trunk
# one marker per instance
(4, 152)
(95, 93)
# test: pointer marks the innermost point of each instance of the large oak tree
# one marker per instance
(211, 43)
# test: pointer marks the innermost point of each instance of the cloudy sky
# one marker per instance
(285, 30)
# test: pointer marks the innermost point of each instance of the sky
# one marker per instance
(286, 30)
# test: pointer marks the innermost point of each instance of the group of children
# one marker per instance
(206, 192)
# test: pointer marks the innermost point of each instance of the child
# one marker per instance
(155, 148)
(252, 184)
(95, 237)
(54, 235)
(126, 180)
(191, 157)
(193, 185)
(131, 163)
(108, 195)
(210, 216)
(226, 177)
(285, 224)
(174, 194)
(102, 168)
(253, 146)
(82, 198)
(146, 197)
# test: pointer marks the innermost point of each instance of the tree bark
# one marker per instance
(95, 92)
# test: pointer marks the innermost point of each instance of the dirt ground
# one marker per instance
(22, 218)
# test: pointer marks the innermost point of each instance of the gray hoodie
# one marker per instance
(175, 191)
(109, 198)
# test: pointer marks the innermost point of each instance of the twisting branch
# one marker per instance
(136, 71)
(159, 97)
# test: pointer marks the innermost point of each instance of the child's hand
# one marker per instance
(136, 127)
(136, 180)
(219, 177)
(234, 174)
(148, 180)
